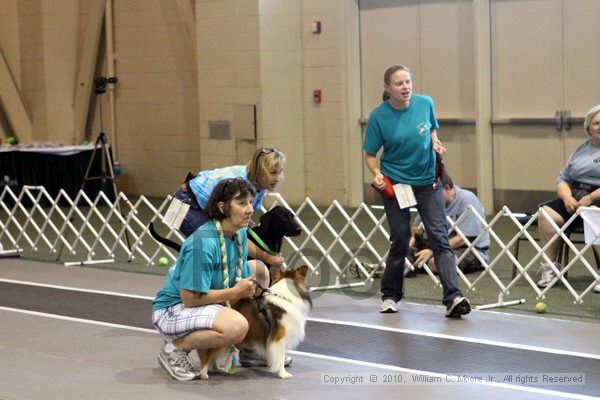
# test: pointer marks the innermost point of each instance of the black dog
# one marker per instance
(420, 243)
(274, 225)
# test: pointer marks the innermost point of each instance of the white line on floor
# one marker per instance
(461, 338)
(82, 320)
(29, 283)
(325, 357)
(356, 324)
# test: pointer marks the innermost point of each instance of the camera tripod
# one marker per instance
(107, 173)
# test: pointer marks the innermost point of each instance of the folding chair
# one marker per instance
(563, 251)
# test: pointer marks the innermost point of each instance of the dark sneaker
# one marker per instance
(177, 363)
(460, 306)
(388, 306)
(250, 358)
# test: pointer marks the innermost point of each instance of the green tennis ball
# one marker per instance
(163, 261)
(10, 140)
(541, 308)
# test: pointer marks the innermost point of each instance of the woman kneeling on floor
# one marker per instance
(211, 270)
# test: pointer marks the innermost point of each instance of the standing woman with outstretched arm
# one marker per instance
(404, 124)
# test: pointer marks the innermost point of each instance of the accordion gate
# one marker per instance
(335, 244)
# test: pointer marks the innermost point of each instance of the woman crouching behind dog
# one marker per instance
(211, 270)
(264, 171)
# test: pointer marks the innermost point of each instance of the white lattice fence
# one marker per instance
(319, 256)
(525, 269)
(324, 237)
(82, 230)
(85, 231)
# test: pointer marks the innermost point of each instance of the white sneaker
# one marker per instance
(596, 288)
(548, 274)
(460, 306)
(177, 363)
(388, 306)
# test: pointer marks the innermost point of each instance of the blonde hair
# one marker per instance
(590, 114)
(264, 160)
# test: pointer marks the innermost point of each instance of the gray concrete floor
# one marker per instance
(46, 357)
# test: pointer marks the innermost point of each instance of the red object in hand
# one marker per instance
(388, 190)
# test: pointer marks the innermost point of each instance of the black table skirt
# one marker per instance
(54, 172)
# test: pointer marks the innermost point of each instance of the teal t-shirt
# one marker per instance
(405, 137)
(204, 183)
(198, 267)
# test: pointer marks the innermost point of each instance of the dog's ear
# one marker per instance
(265, 220)
(276, 274)
(302, 271)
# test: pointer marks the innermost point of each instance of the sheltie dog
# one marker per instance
(276, 320)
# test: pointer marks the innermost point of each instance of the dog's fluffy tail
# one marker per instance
(160, 239)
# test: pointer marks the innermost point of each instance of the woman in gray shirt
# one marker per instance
(578, 186)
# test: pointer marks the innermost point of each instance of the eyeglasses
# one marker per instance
(268, 150)
(264, 150)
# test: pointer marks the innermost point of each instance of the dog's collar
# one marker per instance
(260, 242)
(268, 291)
(280, 296)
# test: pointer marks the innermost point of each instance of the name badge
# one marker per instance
(405, 195)
(175, 213)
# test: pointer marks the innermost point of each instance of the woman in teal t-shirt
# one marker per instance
(406, 127)
(210, 271)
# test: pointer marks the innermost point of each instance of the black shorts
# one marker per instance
(195, 217)
(558, 206)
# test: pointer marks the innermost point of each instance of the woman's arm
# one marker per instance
(257, 253)
(373, 165)
(242, 289)
(436, 143)
(563, 190)
(589, 199)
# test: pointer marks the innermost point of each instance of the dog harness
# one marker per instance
(259, 286)
(260, 305)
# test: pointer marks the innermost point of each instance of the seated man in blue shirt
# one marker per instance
(457, 200)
